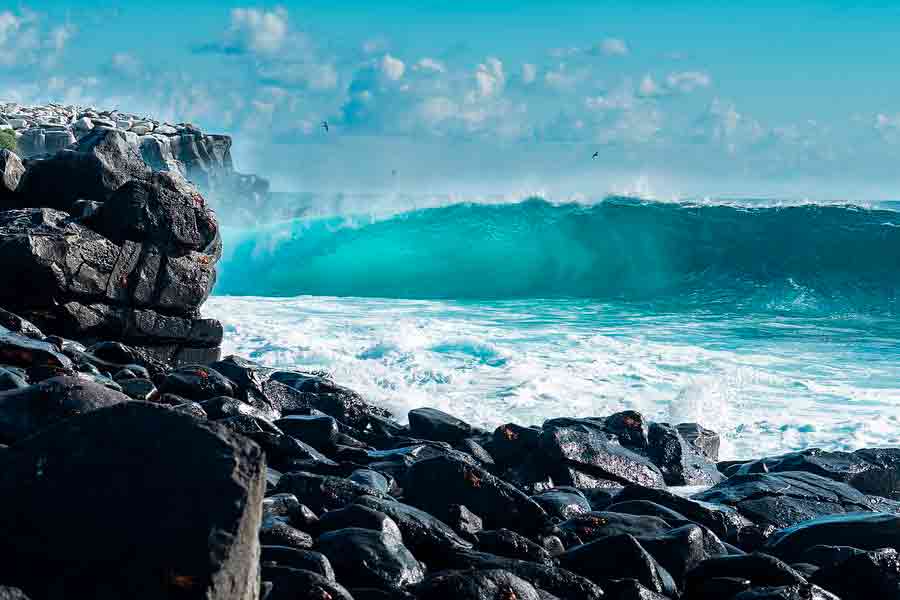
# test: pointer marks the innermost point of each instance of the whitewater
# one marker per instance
(775, 325)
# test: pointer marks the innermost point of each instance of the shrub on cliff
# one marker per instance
(7, 140)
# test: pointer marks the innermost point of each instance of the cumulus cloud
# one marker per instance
(490, 78)
(613, 47)
(648, 87)
(430, 65)
(529, 73)
(393, 68)
(257, 31)
(688, 81)
(26, 40)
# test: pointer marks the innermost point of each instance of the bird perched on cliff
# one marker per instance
(596, 154)
(325, 126)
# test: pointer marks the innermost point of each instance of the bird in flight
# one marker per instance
(325, 126)
(596, 154)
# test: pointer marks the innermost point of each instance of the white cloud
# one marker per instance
(688, 81)
(257, 31)
(126, 64)
(431, 65)
(529, 73)
(648, 87)
(24, 40)
(613, 47)
(490, 77)
(888, 126)
(393, 68)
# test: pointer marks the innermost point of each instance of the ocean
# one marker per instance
(777, 325)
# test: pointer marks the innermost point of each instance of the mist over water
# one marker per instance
(775, 323)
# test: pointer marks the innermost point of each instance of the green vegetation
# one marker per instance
(7, 140)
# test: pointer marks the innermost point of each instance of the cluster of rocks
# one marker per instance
(182, 148)
(124, 477)
(96, 245)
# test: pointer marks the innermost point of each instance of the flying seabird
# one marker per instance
(325, 126)
(596, 154)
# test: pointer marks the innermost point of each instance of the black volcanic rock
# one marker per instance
(288, 583)
(866, 531)
(703, 440)
(794, 592)
(433, 424)
(72, 493)
(618, 557)
(324, 492)
(510, 544)
(295, 558)
(723, 520)
(438, 482)
(563, 503)
(11, 171)
(873, 574)
(486, 584)
(26, 411)
(369, 558)
(679, 462)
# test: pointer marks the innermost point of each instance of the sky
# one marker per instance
(678, 99)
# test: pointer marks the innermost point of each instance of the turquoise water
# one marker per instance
(777, 326)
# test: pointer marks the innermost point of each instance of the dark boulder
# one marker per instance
(589, 449)
(373, 479)
(101, 163)
(288, 583)
(26, 411)
(433, 424)
(139, 389)
(681, 549)
(761, 570)
(618, 557)
(510, 443)
(805, 591)
(510, 544)
(679, 462)
(824, 556)
(785, 499)
(629, 427)
(63, 488)
(866, 531)
(368, 558)
(282, 505)
(705, 441)
(464, 521)
(873, 574)
(597, 525)
(276, 531)
(317, 431)
(197, 382)
(284, 451)
(11, 171)
(324, 492)
(563, 503)
(438, 482)
(16, 324)
(315, 391)
(295, 558)
(358, 516)
(648, 509)
(486, 584)
(629, 589)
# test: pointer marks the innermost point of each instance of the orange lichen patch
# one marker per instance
(201, 374)
(510, 434)
(185, 582)
(320, 594)
(473, 479)
(598, 521)
(631, 422)
(198, 199)
(204, 259)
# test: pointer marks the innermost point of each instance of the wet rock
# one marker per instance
(717, 588)
(22, 351)
(282, 505)
(11, 380)
(598, 525)
(433, 424)
(629, 427)
(629, 589)
(464, 521)
(681, 549)
(794, 592)
(324, 492)
(724, 521)
(319, 432)
(873, 574)
(561, 583)
(589, 449)
(761, 570)
(703, 440)
(676, 458)
(487, 584)
(320, 393)
(866, 531)
(204, 507)
(295, 558)
(26, 411)
(11, 593)
(510, 544)
(828, 556)
(785, 499)
(368, 558)
(284, 450)
(429, 538)
(563, 503)
(11, 171)
(276, 531)
(139, 389)
(197, 382)
(16, 324)
(372, 479)
(618, 557)
(476, 451)
(647, 508)
(298, 584)
(435, 483)
(361, 517)
(510, 442)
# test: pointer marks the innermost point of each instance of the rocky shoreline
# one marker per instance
(136, 462)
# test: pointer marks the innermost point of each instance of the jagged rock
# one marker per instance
(874, 574)
(17, 324)
(704, 440)
(358, 516)
(11, 593)
(679, 462)
(866, 531)
(317, 431)
(286, 451)
(617, 557)
(681, 549)
(828, 556)
(464, 521)
(364, 558)
(26, 411)
(510, 544)
(486, 584)
(785, 499)
(11, 171)
(324, 492)
(588, 448)
(320, 393)
(97, 166)
(435, 483)
(197, 382)
(724, 521)
(201, 508)
(795, 592)
(761, 570)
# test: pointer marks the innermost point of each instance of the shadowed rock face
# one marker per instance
(71, 495)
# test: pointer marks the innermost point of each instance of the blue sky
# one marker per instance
(700, 98)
